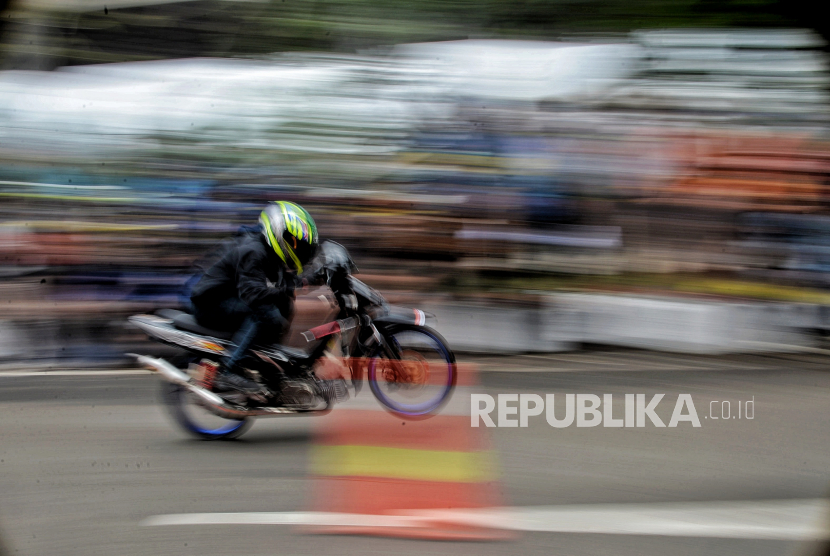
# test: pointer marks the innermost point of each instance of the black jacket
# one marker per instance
(248, 268)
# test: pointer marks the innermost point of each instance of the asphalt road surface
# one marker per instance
(86, 460)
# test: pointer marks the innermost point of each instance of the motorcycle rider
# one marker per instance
(250, 289)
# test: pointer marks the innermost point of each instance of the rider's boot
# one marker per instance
(227, 380)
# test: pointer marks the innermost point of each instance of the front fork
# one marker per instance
(375, 344)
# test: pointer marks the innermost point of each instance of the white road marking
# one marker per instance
(89, 374)
(756, 519)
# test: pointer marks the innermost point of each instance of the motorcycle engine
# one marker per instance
(297, 393)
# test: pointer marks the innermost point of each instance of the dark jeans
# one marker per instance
(264, 324)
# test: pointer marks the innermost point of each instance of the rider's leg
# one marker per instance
(264, 324)
(243, 339)
(229, 314)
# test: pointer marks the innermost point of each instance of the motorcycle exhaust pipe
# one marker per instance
(214, 402)
(175, 376)
(164, 368)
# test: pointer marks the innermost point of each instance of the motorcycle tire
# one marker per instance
(412, 345)
(198, 421)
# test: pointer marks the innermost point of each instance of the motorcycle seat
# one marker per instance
(188, 322)
(291, 353)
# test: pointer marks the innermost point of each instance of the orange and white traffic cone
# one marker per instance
(377, 474)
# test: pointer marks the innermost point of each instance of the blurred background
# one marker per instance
(644, 174)
(605, 196)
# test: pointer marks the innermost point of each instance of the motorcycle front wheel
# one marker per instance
(415, 375)
(195, 419)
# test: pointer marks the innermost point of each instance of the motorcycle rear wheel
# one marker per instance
(185, 409)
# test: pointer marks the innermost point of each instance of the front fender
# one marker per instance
(357, 367)
(401, 315)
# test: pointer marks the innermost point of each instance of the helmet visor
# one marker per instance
(303, 250)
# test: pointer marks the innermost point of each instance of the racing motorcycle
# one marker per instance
(409, 368)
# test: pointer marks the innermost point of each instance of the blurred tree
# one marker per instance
(32, 37)
(804, 13)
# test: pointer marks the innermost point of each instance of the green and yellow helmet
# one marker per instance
(291, 232)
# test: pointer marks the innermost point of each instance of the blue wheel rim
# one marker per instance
(230, 427)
